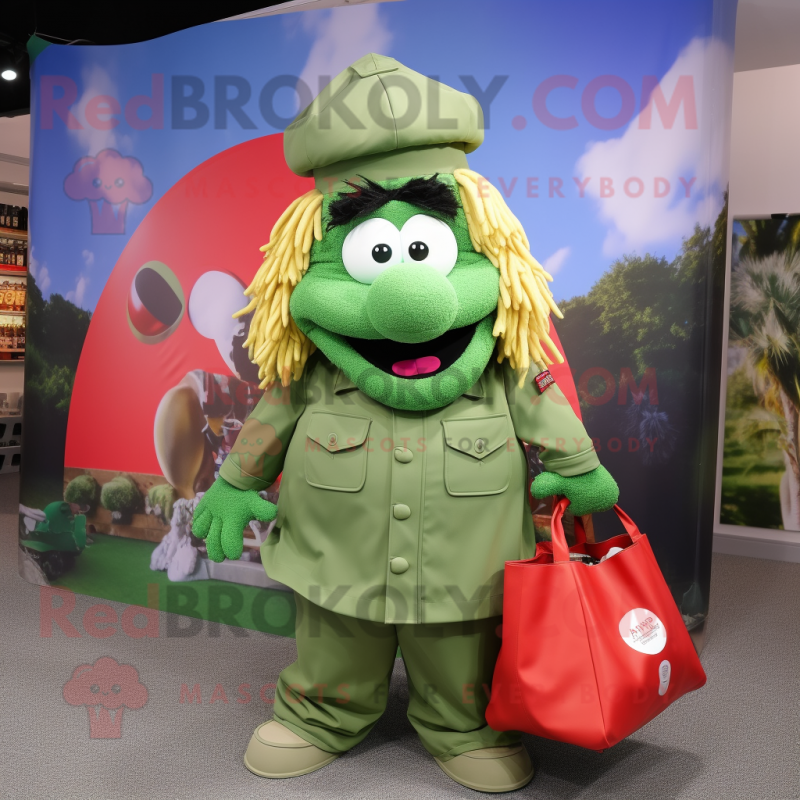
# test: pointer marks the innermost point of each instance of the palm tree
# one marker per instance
(765, 317)
(763, 237)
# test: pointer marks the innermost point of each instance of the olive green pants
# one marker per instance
(336, 691)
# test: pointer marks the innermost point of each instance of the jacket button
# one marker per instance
(332, 439)
(403, 455)
(398, 565)
(480, 445)
(401, 511)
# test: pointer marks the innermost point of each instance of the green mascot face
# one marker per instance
(406, 284)
(395, 294)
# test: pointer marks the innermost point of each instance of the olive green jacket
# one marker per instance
(402, 516)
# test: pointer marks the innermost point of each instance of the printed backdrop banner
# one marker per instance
(157, 172)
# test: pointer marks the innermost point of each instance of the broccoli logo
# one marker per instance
(109, 181)
(106, 688)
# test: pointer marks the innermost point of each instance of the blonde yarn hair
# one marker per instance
(523, 310)
(281, 349)
(274, 342)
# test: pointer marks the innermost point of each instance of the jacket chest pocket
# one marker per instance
(476, 456)
(336, 457)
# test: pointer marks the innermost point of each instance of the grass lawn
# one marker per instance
(115, 568)
(751, 476)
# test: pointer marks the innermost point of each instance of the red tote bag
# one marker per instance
(590, 652)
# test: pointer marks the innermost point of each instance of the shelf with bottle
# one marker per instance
(13, 253)
(12, 334)
(13, 295)
(8, 233)
(14, 218)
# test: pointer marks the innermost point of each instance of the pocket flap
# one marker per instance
(477, 437)
(337, 432)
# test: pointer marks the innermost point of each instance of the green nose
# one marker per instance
(411, 303)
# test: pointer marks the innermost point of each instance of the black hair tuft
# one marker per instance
(429, 194)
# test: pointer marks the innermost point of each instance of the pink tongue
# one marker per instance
(416, 366)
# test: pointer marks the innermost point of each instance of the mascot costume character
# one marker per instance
(383, 296)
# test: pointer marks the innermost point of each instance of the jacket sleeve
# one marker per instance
(256, 458)
(546, 419)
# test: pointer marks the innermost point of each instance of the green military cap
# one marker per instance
(382, 120)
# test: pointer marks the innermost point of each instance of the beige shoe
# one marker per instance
(276, 752)
(492, 769)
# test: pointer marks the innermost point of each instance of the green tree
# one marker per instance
(646, 312)
(56, 332)
(765, 319)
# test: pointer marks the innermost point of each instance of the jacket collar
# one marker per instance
(343, 384)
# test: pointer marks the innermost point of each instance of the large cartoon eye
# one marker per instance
(97, 182)
(427, 240)
(119, 183)
(94, 688)
(213, 301)
(155, 303)
(116, 688)
(370, 248)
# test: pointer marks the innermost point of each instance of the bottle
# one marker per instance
(23, 218)
(15, 217)
(2, 215)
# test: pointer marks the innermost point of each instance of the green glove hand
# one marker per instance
(593, 491)
(222, 515)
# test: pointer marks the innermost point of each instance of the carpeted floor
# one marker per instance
(736, 739)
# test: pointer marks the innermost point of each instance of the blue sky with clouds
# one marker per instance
(528, 41)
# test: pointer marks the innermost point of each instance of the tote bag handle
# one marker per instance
(560, 548)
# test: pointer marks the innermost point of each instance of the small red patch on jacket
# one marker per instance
(544, 379)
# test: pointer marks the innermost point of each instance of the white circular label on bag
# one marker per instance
(664, 673)
(643, 631)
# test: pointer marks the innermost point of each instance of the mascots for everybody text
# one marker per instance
(402, 312)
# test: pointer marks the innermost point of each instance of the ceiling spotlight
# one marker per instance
(8, 74)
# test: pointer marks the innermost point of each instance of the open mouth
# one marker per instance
(417, 360)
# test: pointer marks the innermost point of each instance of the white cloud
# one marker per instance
(343, 35)
(40, 273)
(97, 81)
(554, 263)
(635, 223)
(88, 257)
(77, 295)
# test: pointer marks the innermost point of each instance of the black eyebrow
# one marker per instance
(429, 194)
